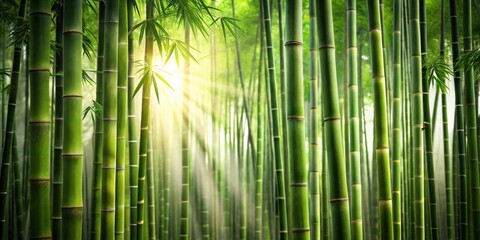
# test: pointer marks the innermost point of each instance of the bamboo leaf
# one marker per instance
(469, 60)
(95, 111)
(5, 72)
(438, 71)
(86, 78)
(88, 42)
(20, 33)
(156, 90)
(146, 74)
(6, 89)
(161, 78)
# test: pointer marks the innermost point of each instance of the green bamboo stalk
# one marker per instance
(268, 144)
(455, 182)
(58, 138)
(185, 195)
(245, 105)
(159, 176)
(203, 192)
(39, 120)
(259, 167)
(4, 50)
(344, 102)
(298, 200)
(121, 120)
(227, 152)
(446, 142)
(203, 199)
(26, 145)
(126, 221)
(340, 213)
(459, 124)
(448, 171)
(235, 155)
(166, 193)
(314, 162)
(325, 211)
(381, 125)
(417, 120)
(471, 120)
(477, 95)
(96, 202)
(110, 119)
(430, 177)
(408, 139)
(72, 199)
(132, 129)
(396, 121)
(2, 82)
(19, 209)
(11, 233)
(385, 60)
(276, 123)
(244, 160)
(260, 189)
(283, 121)
(353, 114)
(365, 169)
(144, 123)
(151, 189)
(8, 140)
(282, 77)
(215, 155)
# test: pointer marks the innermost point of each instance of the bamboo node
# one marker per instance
(298, 184)
(39, 122)
(327, 46)
(333, 118)
(40, 13)
(293, 43)
(300, 230)
(338, 200)
(296, 118)
(39, 179)
(72, 31)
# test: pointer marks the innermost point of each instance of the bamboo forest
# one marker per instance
(240, 119)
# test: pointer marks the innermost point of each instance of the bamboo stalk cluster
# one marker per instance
(240, 154)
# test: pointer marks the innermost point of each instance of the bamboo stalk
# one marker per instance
(57, 184)
(277, 145)
(95, 224)
(314, 163)
(298, 198)
(72, 199)
(122, 81)
(142, 231)
(110, 118)
(381, 121)
(8, 142)
(417, 121)
(132, 129)
(397, 131)
(353, 123)
(459, 124)
(471, 122)
(340, 214)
